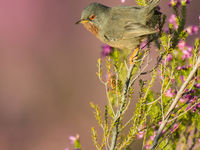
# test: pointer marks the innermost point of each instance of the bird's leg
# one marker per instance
(133, 57)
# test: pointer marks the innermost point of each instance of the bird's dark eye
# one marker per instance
(92, 17)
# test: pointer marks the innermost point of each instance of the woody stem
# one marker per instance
(121, 108)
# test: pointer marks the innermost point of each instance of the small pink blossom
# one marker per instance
(192, 29)
(173, 21)
(182, 100)
(147, 146)
(174, 3)
(169, 57)
(194, 109)
(106, 50)
(169, 93)
(181, 44)
(66, 148)
(152, 137)
(187, 53)
(174, 127)
(73, 138)
(185, 2)
(197, 85)
(140, 135)
(123, 1)
(182, 78)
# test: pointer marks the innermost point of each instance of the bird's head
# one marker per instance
(94, 15)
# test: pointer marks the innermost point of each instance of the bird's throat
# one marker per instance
(91, 27)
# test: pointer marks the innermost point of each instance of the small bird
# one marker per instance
(122, 27)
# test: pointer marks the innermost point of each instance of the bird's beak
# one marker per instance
(82, 21)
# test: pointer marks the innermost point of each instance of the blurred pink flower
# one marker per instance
(169, 93)
(182, 100)
(66, 148)
(182, 78)
(174, 3)
(192, 29)
(186, 54)
(140, 134)
(169, 57)
(198, 105)
(173, 21)
(185, 1)
(122, 1)
(147, 146)
(106, 50)
(197, 85)
(73, 138)
(181, 44)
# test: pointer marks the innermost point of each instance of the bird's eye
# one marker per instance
(92, 17)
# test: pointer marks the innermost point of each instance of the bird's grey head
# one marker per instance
(94, 13)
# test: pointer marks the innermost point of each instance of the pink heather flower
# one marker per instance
(192, 29)
(174, 127)
(182, 78)
(106, 50)
(185, 1)
(181, 44)
(147, 146)
(187, 53)
(163, 131)
(189, 48)
(179, 68)
(169, 93)
(169, 57)
(193, 99)
(173, 21)
(166, 29)
(197, 85)
(140, 135)
(198, 105)
(122, 1)
(199, 140)
(66, 148)
(182, 100)
(73, 138)
(152, 137)
(174, 3)
(194, 109)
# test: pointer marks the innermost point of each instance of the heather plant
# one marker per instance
(166, 118)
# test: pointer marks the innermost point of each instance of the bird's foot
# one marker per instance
(133, 57)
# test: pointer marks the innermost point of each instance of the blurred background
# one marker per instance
(48, 73)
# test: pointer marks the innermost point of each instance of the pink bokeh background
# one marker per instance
(47, 73)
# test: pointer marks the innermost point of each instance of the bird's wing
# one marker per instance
(136, 30)
(125, 22)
